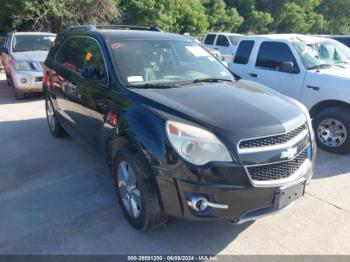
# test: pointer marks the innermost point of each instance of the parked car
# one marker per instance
(182, 137)
(22, 56)
(308, 69)
(344, 39)
(226, 43)
(334, 44)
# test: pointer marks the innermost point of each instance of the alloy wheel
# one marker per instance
(50, 115)
(129, 192)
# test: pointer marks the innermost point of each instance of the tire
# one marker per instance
(332, 130)
(55, 127)
(147, 213)
(18, 94)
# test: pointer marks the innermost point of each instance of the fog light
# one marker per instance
(199, 203)
(23, 80)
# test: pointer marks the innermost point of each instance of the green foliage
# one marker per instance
(221, 18)
(194, 16)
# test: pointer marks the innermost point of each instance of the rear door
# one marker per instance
(68, 74)
(242, 61)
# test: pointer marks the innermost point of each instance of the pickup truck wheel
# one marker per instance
(137, 195)
(54, 125)
(332, 128)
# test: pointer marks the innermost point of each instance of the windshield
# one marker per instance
(162, 62)
(27, 43)
(320, 53)
(235, 39)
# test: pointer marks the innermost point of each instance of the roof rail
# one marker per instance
(95, 27)
(76, 28)
(129, 27)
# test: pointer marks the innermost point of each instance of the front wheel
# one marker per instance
(18, 94)
(332, 128)
(136, 193)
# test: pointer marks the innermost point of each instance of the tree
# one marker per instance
(221, 18)
(337, 13)
(55, 15)
(171, 15)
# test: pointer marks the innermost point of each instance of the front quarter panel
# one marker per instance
(321, 86)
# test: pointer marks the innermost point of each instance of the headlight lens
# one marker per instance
(196, 145)
(23, 66)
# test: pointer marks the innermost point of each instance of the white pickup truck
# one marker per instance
(312, 70)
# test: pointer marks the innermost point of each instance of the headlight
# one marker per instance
(305, 111)
(24, 66)
(196, 145)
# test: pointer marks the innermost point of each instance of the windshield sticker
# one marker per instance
(223, 73)
(211, 58)
(197, 51)
(88, 56)
(116, 45)
(132, 79)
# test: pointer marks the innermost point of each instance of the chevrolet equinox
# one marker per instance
(182, 135)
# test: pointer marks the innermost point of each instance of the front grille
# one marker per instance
(272, 140)
(278, 170)
(38, 79)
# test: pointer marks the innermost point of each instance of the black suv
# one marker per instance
(182, 135)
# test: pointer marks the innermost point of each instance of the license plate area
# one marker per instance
(288, 194)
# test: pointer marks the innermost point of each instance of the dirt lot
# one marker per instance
(56, 198)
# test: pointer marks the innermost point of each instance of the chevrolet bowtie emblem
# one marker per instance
(289, 153)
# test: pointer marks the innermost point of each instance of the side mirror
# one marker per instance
(286, 67)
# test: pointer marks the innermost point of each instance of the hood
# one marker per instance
(333, 72)
(32, 56)
(237, 110)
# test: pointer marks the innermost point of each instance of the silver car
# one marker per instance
(22, 56)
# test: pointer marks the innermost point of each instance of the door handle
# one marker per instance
(253, 75)
(316, 88)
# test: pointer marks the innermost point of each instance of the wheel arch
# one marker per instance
(327, 104)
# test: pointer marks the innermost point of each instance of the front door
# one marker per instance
(94, 94)
(266, 69)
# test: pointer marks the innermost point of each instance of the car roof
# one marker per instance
(224, 33)
(116, 34)
(32, 33)
(285, 37)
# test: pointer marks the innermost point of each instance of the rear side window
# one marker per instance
(243, 52)
(69, 55)
(93, 65)
(272, 54)
(222, 41)
(209, 40)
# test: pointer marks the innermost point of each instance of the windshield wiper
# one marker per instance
(150, 86)
(201, 80)
(318, 66)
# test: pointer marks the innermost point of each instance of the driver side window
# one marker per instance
(272, 54)
(93, 65)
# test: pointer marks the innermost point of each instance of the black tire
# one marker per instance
(151, 215)
(56, 129)
(343, 116)
(18, 94)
